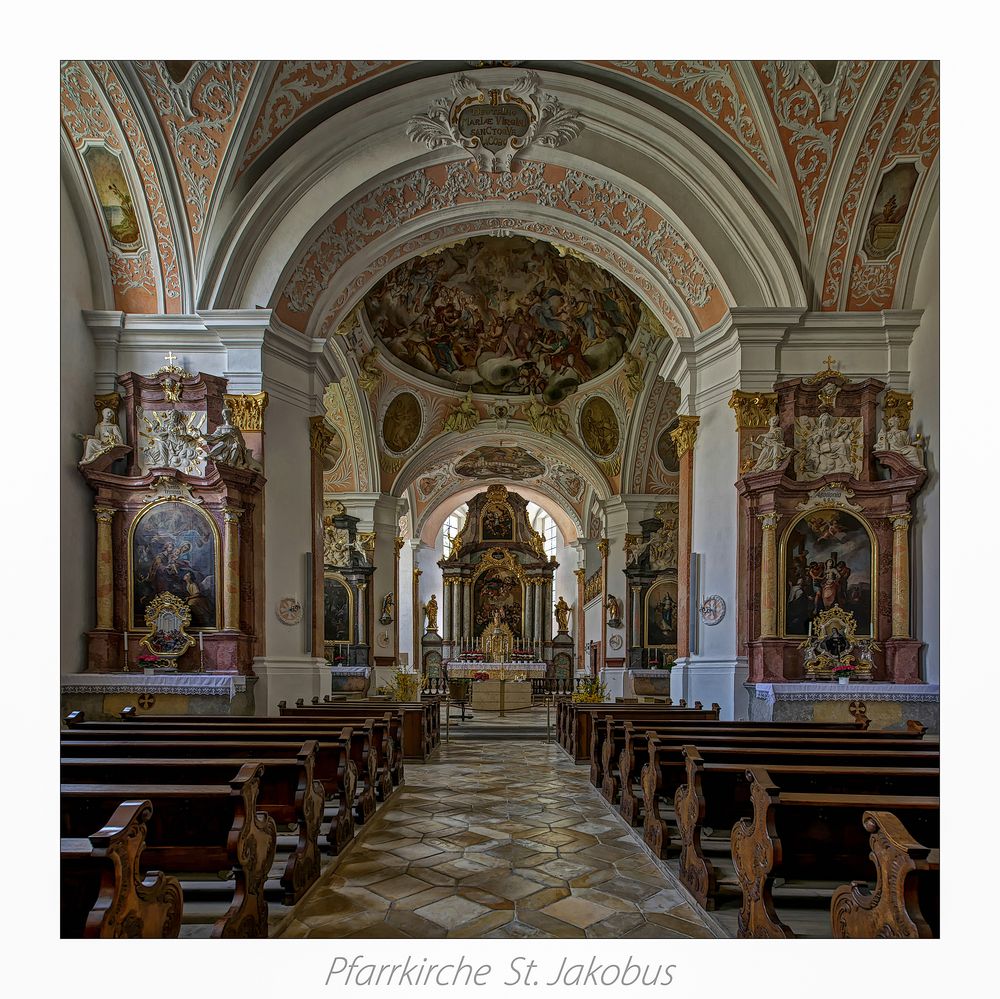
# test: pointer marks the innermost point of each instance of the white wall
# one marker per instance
(925, 375)
(77, 531)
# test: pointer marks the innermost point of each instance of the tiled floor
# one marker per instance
(499, 838)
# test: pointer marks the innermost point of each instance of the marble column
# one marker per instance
(539, 597)
(900, 575)
(446, 611)
(769, 575)
(579, 617)
(231, 570)
(604, 547)
(467, 613)
(529, 610)
(105, 587)
(636, 616)
(684, 437)
(547, 611)
(418, 621)
(321, 436)
(397, 594)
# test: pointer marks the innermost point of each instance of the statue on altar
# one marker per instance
(892, 437)
(431, 612)
(614, 606)
(562, 614)
(106, 436)
(773, 450)
(225, 445)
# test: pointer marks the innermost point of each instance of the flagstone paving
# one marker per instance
(496, 839)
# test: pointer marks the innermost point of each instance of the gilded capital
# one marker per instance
(367, 540)
(900, 521)
(104, 514)
(603, 546)
(900, 405)
(397, 544)
(321, 434)
(232, 514)
(753, 409)
(112, 400)
(769, 521)
(685, 435)
(581, 574)
(247, 410)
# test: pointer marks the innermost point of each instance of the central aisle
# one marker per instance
(496, 837)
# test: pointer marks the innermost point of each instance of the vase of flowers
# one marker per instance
(591, 690)
(843, 672)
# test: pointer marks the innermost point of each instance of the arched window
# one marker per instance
(451, 527)
(545, 526)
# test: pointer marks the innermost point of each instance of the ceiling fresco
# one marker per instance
(504, 315)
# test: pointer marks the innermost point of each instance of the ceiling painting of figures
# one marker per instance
(500, 462)
(504, 315)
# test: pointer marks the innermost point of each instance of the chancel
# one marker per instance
(500, 499)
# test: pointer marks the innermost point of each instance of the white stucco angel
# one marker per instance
(773, 450)
(106, 436)
(894, 438)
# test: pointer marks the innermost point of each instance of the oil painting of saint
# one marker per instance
(661, 614)
(498, 592)
(336, 610)
(173, 550)
(498, 525)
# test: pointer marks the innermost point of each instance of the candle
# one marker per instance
(201, 641)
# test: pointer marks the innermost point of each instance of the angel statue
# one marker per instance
(388, 605)
(431, 610)
(106, 436)
(773, 450)
(464, 416)
(562, 614)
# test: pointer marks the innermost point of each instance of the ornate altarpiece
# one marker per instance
(347, 596)
(651, 589)
(498, 564)
(824, 521)
(172, 520)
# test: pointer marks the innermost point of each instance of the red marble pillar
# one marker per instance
(684, 437)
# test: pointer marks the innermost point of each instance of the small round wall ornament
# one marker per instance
(383, 639)
(713, 609)
(289, 610)
(615, 641)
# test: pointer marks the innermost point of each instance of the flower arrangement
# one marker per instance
(405, 686)
(155, 662)
(844, 668)
(591, 690)
(480, 675)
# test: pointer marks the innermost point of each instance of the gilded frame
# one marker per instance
(783, 566)
(350, 607)
(130, 586)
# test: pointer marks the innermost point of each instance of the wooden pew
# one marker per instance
(287, 792)
(102, 893)
(814, 835)
(334, 769)
(906, 902)
(360, 742)
(420, 734)
(567, 708)
(203, 828)
(715, 794)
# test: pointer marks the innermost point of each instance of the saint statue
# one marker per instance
(225, 445)
(894, 438)
(431, 610)
(562, 614)
(773, 450)
(614, 612)
(388, 605)
(828, 447)
(173, 444)
(106, 436)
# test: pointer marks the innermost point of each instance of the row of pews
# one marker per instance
(223, 799)
(746, 806)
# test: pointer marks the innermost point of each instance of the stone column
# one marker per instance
(362, 615)
(684, 437)
(467, 617)
(539, 596)
(446, 610)
(418, 620)
(321, 436)
(769, 575)
(547, 602)
(578, 623)
(529, 611)
(900, 575)
(105, 588)
(397, 594)
(636, 616)
(231, 570)
(603, 546)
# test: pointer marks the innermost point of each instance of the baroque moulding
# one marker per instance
(248, 410)
(619, 213)
(898, 404)
(686, 434)
(753, 409)
(496, 125)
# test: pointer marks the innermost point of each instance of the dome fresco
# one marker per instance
(504, 315)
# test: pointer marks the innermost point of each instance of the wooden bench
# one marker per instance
(333, 769)
(715, 794)
(287, 792)
(421, 723)
(102, 892)
(194, 828)
(906, 902)
(815, 835)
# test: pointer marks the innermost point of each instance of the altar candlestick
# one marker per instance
(201, 642)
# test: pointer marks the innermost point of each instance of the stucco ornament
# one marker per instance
(892, 437)
(106, 436)
(225, 445)
(547, 420)
(496, 125)
(463, 417)
(827, 445)
(171, 441)
(773, 450)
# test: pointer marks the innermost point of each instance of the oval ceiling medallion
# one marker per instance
(500, 462)
(599, 427)
(666, 450)
(504, 315)
(401, 423)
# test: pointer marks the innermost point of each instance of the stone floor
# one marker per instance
(496, 838)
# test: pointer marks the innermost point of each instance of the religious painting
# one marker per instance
(666, 450)
(504, 315)
(599, 427)
(337, 605)
(401, 423)
(828, 559)
(500, 462)
(497, 524)
(885, 224)
(497, 590)
(174, 548)
(661, 615)
(114, 197)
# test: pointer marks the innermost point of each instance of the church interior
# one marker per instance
(499, 500)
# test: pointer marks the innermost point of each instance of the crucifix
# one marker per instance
(829, 362)
(170, 357)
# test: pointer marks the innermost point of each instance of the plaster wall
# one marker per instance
(77, 361)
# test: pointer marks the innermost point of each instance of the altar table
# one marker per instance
(486, 695)
(462, 668)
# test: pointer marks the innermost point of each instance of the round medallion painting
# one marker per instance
(666, 450)
(599, 427)
(401, 423)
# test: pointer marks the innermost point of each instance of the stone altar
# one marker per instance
(486, 695)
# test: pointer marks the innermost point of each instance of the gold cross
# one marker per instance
(829, 362)
(170, 357)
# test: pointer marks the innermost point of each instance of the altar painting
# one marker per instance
(497, 524)
(337, 623)
(174, 549)
(828, 557)
(661, 615)
(498, 590)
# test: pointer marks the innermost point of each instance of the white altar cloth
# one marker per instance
(460, 668)
(207, 684)
(350, 670)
